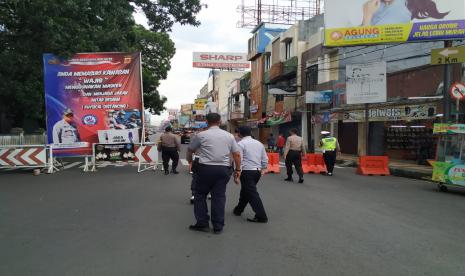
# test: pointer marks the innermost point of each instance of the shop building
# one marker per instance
(262, 35)
(402, 126)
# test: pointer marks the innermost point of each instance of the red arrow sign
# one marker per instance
(4, 157)
(145, 154)
(19, 157)
(34, 158)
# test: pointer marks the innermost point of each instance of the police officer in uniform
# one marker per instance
(330, 147)
(214, 148)
(254, 163)
(293, 153)
(65, 130)
(170, 146)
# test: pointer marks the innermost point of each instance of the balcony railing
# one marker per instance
(276, 71)
(290, 66)
(245, 83)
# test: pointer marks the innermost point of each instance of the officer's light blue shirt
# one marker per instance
(253, 154)
(395, 13)
(214, 147)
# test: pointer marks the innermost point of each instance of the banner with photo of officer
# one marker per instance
(91, 92)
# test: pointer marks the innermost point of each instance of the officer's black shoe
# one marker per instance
(258, 220)
(217, 231)
(167, 172)
(175, 172)
(301, 180)
(289, 179)
(237, 212)
(199, 228)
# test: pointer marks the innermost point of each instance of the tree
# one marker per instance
(29, 28)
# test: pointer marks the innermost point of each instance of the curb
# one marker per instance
(400, 172)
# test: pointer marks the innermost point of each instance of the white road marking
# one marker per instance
(184, 162)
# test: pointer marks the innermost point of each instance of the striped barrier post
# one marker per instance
(146, 157)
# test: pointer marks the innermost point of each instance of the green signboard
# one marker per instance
(448, 173)
(448, 55)
(449, 128)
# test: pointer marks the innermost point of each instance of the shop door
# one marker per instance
(377, 139)
(348, 137)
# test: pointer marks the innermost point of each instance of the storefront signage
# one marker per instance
(220, 60)
(457, 91)
(277, 118)
(449, 128)
(320, 97)
(449, 173)
(253, 108)
(362, 22)
(398, 113)
(200, 104)
(366, 83)
(325, 118)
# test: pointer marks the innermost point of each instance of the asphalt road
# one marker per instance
(119, 222)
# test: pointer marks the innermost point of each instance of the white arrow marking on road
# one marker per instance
(446, 52)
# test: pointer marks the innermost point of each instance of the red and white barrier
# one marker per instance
(146, 157)
(23, 157)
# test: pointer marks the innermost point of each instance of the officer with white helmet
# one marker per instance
(65, 130)
(330, 147)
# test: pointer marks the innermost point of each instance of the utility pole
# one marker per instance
(447, 81)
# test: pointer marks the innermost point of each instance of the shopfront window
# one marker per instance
(410, 141)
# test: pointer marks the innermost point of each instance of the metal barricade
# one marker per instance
(26, 156)
(146, 157)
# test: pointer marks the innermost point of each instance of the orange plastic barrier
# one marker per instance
(314, 163)
(373, 165)
(273, 162)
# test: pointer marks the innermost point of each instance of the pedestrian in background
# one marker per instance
(281, 143)
(214, 148)
(170, 147)
(271, 141)
(293, 153)
(254, 162)
(330, 147)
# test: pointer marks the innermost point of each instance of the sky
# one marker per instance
(217, 33)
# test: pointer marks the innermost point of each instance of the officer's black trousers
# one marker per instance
(213, 180)
(249, 194)
(166, 155)
(294, 158)
(330, 160)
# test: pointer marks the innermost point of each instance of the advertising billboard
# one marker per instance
(366, 83)
(216, 60)
(320, 97)
(200, 104)
(90, 92)
(359, 22)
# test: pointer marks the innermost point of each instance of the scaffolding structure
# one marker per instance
(284, 12)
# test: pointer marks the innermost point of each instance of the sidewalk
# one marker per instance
(398, 167)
